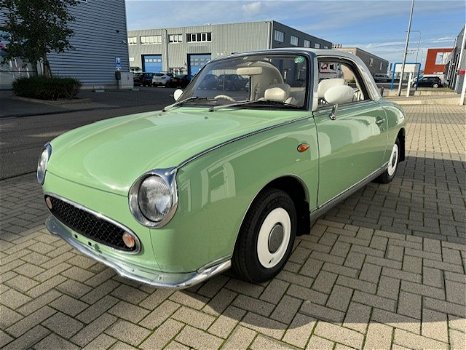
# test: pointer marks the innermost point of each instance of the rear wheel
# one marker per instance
(435, 85)
(392, 166)
(266, 237)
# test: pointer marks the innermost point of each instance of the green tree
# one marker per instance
(35, 28)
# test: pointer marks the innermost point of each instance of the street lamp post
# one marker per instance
(406, 48)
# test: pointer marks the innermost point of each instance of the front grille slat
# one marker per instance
(89, 225)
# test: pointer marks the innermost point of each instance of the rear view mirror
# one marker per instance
(177, 94)
(339, 94)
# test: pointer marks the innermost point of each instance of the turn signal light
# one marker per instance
(303, 147)
(128, 240)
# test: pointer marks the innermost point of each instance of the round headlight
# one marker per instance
(42, 164)
(155, 198)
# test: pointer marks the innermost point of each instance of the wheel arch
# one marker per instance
(402, 137)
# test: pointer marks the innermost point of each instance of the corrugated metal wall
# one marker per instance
(288, 32)
(375, 63)
(226, 39)
(100, 36)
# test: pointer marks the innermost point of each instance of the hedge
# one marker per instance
(44, 88)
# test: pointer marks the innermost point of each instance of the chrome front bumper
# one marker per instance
(152, 277)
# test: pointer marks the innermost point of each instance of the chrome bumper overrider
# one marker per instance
(137, 273)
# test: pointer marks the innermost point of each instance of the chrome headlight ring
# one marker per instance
(161, 177)
(43, 163)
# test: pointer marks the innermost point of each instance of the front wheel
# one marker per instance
(392, 166)
(266, 237)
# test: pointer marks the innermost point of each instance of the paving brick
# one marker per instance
(274, 291)
(255, 305)
(367, 251)
(307, 294)
(370, 273)
(435, 325)
(262, 342)
(8, 317)
(46, 286)
(340, 298)
(225, 323)
(443, 266)
(241, 338)
(4, 339)
(396, 320)
(93, 330)
(54, 341)
(457, 339)
(102, 342)
(63, 325)
(162, 335)
(444, 306)
(29, 270)
(324, 282)
(264, 325)
(341, 248)
(432, 277)
(321, 312)
(286, 309)
(338, 260)
(253, 290)
(174, 345)
(220, 302)
(213, 286)
(100, 277)
(97, 309)
(129, 294)
(318, 343)
(128, 311)
(341, 270)
(354, 260)
(159, 315)
(339, 334)
(28, 322)
(300, 330)
(357, 317)
(388, 287)
(395, 253)
(37, 303)
(311, 267)
(429, 291)
(194, 318)
(295, 278)
(74, 288)
(28, 339)
(14, 299)
(300, 255)
(456, 292)
(374, 300)
(410, 305)
(402, 275)
(357, 284)
(197, 339)
(127, 332)
(68, 305)
(78, 274)
(379, 336)
(411, 340)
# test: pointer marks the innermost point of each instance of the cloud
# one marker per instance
(252, 8)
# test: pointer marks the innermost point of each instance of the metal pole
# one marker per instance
(458, 67)
(406, 48)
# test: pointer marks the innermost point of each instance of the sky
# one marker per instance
(377, 26)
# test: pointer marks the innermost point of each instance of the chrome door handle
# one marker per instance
(379, 121)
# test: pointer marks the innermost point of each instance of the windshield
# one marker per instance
(270, 80)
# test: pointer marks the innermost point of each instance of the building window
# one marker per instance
(152, 39)
(279, 36)
(325, 47)
(294, 40)
(133, 40)
(381, 66)
(175, 38)
(317, 45)
(198, 37)
(131, 59)
(371, 62)
(307, 43)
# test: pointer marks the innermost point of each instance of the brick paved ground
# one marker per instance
(385, 269)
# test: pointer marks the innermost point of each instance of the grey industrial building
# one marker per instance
(455, 69)
(375, 63)
(99, 42)
(187, 49)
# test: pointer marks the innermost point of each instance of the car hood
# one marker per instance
(110, 155)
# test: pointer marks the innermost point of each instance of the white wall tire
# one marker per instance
(266, 238)
(276, 224)
(392, 165)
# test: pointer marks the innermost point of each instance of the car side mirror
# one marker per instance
(339, 94)
(177, 94)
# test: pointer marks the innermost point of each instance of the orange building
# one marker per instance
(436, 60)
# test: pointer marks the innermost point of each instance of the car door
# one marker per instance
(352, 138)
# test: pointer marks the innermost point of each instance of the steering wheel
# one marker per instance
(225, 97)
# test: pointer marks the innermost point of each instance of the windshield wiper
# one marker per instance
(261, 103)
(179, 103)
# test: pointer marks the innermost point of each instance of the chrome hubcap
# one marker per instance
(393, 162)
(276, 238)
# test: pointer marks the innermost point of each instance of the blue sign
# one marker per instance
(118, 63)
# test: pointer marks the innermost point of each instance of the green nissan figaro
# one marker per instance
(255, 148)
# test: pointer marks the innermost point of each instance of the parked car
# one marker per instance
(142, 79)
(161, 79)
(179, 81)
(428, 81)
(382, 78)
(222, 178)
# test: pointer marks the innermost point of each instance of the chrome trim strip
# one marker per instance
(238, 138)
(169, 176)
(346, 193)
(144, 275)
(100, 216)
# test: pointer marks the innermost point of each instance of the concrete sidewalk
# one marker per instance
(385, 269)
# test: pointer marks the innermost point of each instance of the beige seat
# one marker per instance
(259, 83)
(277, 92)
(326, 84)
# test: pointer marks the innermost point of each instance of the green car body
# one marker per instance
(220, 161)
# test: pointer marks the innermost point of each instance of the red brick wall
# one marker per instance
(430, 66)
